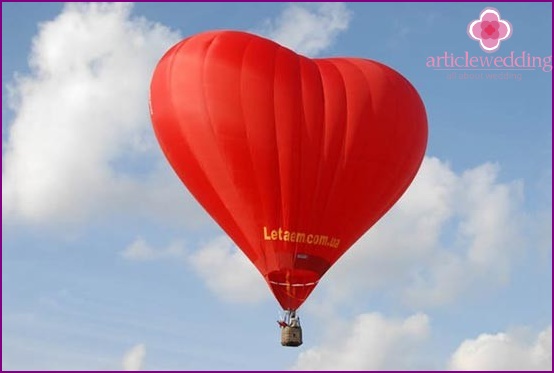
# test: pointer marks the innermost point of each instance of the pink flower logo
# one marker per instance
(489, 30)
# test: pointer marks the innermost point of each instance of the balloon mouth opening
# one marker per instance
(291, 287)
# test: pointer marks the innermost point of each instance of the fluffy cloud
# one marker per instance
(309, 28)
(140, 250)
(447, 233)
(228, 272)
(134, 358)
(544, 217)
(81, 141)
(505, 351)
(370, 342)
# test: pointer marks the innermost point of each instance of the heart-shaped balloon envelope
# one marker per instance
(295, 158)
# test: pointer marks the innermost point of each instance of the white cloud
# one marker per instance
(504, 351)
(140, 250)
(487, 238)
(81, 142)
(370, 342)
(134, 358)
(308, 28)
(81, 118)
(544, 234)
(544, 216)
(228, 273)
(448, 233)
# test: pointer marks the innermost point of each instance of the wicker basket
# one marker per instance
(291, 336)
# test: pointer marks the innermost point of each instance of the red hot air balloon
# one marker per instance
(295, 158)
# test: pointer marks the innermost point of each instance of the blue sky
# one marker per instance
(108, 263)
